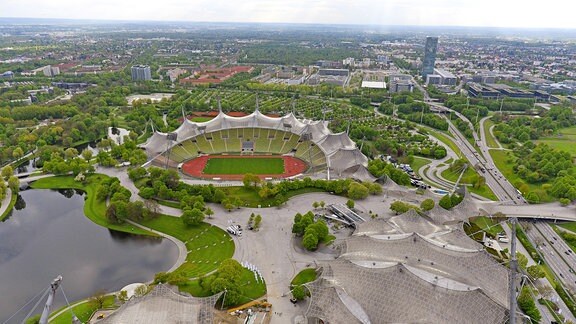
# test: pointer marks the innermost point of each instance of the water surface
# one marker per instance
(48, 235)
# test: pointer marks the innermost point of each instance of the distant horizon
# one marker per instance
(151, 21)
(523, 14)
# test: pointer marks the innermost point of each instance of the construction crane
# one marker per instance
(53, 287)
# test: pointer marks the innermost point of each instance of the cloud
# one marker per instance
(510, 13)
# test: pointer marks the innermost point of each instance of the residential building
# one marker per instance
(50, 71)
(141, 73)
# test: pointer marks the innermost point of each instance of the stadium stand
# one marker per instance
(311, 141)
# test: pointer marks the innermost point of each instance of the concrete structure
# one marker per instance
(429, 56)
(50, 71)
(446, 78)
(478, 90)
(433, 79)
(334, 72)
(141, 73)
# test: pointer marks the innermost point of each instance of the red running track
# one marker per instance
(194, 167)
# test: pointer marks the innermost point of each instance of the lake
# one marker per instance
(50, 236)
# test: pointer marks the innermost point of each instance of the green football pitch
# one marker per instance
(243, 166)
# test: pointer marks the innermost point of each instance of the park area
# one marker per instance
(564, 141)
(227, 167)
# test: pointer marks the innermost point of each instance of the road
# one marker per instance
(507, 193)
(552, 244)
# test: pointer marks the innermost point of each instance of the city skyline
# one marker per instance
(490, 13)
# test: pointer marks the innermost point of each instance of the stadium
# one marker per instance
(227, 147)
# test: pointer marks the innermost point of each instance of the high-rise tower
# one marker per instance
(141, 73)
(429, 56)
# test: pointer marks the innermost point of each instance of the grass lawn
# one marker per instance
(82, 311)
(487, 224)
(8, 210)
(418, 163)
(304, 276)
(565, 142)
(249, 288)
(200, 119)
(500, 158)
(208, 245)
(446, 139)
(571, 226)
(490, 140)
(468, 178)
(242, 166)
(94, 209)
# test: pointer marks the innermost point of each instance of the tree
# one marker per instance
(322, 204)
(70, 153)
(357, 191)
(250, 180)
(7, 172)
(299, 292)
(315, 205)
(445, 202)
(141, 290)
(527, 305)
(257, 221)
(400, 207)
(208, 212)
(310, 241)
(535, 272)
(192, 217)
(350, 203)
(152, 206)
(123, 296)
(87, 155)
(98, 298)
(427, 204)
(14, 184)
(522, 260)
(17, 153)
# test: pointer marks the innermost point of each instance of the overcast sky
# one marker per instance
(489, 13)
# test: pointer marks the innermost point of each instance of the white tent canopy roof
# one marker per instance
(340, 151)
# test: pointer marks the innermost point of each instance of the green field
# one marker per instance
(446, 139)
(490, 140)
(83, 311)
(243, 166)
(304, 276)
(564, 142)
(418, 163)
(208, 245)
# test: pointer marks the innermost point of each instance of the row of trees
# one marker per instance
(352, 189)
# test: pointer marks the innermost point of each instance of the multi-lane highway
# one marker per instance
(552, 244)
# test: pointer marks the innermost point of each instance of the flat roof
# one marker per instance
(374, 84)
